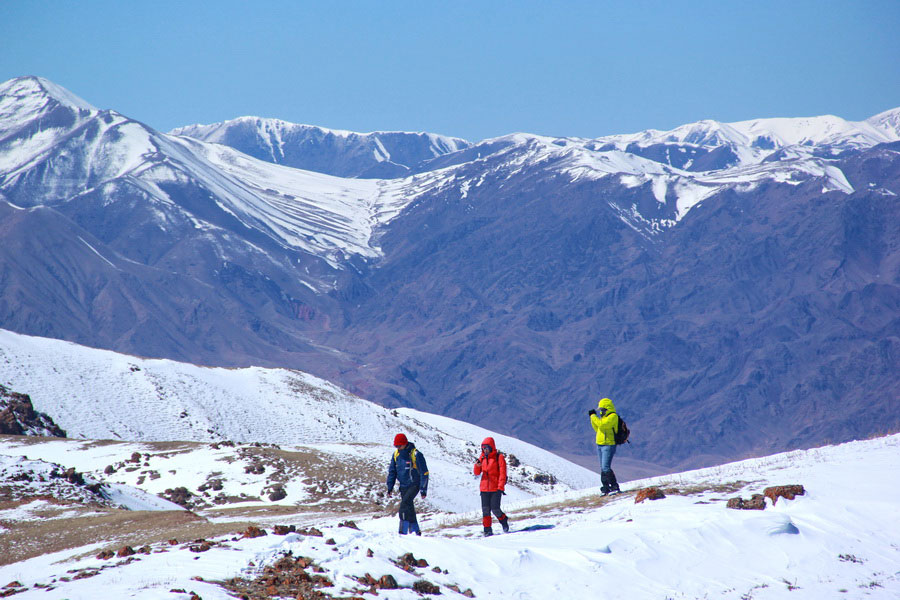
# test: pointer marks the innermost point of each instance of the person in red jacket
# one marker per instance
(491, 465)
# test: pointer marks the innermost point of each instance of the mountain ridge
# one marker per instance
(508, 283)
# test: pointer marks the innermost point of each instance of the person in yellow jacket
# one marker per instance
(605, 422)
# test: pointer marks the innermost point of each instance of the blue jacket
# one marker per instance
(408, 467)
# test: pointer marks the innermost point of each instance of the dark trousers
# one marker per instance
(407, 509)
(490, 503)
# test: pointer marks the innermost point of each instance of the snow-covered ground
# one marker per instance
(98, 394)
(839, 540)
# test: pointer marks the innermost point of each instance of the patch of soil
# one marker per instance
(114, 529)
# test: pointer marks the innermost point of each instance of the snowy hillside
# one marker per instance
(835, 540)
(98, 394)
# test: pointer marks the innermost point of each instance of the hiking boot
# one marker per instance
(488, 532)
(613, 484)
(505, 525)
(414, 527)
(604, 481)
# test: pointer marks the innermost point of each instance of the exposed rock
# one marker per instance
(180, 496)
(283, 529)
(788, 492)
(426, 587)
(253, 532)
(125, 551)
(544, 478)
(18, 417)
(650, 493)
(756, 502)
(387, 582)
(277, 493)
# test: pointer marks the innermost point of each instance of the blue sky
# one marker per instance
(466, 68)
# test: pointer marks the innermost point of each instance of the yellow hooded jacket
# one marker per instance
(607, 425)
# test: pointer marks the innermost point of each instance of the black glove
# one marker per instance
(502, 492)
(592, 412)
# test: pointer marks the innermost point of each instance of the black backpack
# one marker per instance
(622, 432)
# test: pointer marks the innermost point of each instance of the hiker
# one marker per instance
(605, 422)
(410, 471)
(491, 465)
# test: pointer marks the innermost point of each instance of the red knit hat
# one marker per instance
(400, 440)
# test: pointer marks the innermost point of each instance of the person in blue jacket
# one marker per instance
(410, 471)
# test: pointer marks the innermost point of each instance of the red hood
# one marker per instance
(489, 441)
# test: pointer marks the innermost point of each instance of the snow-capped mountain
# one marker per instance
(56, 149)
(376, 155)
(744, 271)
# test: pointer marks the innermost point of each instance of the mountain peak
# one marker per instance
(38, 87)
(887, 122)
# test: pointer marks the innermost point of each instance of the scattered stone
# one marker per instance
(426, 587)
(287, 578)
(350, 524)
(173, 542)
(469, 593)
(544, 478)
(422, 563)
(86, 573)
(106, 555)
(331, 542)
(369, 553)
(109, 470)
(756, 502)
(650, 493)
(13, 584)
(278, 493)
(253, 532)
(283, 529)
(788, 492)
(436, 570)
(135, 457)
(125, 551)
(144, 550)
(180, 496)
(255, 469)
(387, 582)
(177, 591)
(203, 546)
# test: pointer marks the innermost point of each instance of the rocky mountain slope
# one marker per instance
(731, 280)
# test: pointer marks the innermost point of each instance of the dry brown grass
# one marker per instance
(115, 528)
